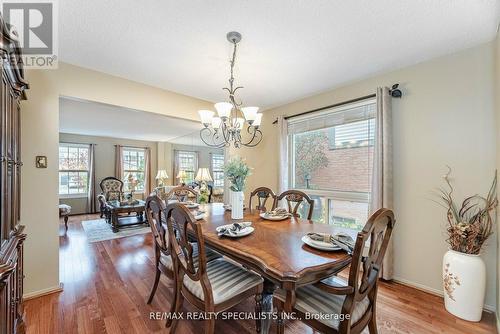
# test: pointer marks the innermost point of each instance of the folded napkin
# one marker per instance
(233, 229)
(343, 241)
(278, 212)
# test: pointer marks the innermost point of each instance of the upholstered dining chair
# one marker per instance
(294, 199)
(112, 188)
(352, 304)
(155, 208)
(182, 194)
(262, 194)
(213, 286)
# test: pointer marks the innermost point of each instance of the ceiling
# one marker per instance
(97, 119)
(290, 49)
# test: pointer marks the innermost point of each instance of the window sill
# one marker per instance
(70, 196)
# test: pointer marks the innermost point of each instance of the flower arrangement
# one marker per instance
(470, 223)
(237, 171)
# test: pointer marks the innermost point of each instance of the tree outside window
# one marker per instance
(133, 166)
(73, 169)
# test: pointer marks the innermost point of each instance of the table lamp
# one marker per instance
(182, 176)
(161, 176)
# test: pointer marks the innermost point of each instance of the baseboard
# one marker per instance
(436, 292)
(44, 292)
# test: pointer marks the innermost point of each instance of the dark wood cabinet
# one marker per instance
(12, 235)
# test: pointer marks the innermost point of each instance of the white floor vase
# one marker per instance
(464, 284)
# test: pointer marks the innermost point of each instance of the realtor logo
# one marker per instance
(35, 23)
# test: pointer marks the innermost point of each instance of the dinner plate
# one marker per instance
(321, 245)
(243, 232)
(190, 205)
(200, 216)
(264, 215)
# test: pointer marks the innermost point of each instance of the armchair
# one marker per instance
(112, 188)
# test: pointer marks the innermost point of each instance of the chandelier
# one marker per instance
(229, 126)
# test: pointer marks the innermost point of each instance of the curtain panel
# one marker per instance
(147, 172)
(118, 162)
(283, 154)
(382, 189)
(91, 194)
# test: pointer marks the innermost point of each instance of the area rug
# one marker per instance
(99, 230)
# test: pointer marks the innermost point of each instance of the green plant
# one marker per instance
(237, 171)
(310, 156)
(471, 223)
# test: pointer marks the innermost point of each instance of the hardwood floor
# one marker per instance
(106, 285)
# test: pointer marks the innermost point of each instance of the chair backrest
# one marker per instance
(294, 198)
(112, 188)
(365, 270)
(263, 194)
(155, 208)
(180, 222)
(182, 193)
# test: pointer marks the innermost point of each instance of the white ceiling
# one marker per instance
(97, 119)
(290, 49)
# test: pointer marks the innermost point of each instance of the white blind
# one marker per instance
(339, 118)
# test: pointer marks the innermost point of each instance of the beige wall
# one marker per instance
(446, 117)
(40, 136)
(105, 161)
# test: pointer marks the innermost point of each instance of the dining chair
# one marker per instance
(155, 209)
(213, 286)
(263, 194)
(182, 194)
(294, 198)
(352, 304)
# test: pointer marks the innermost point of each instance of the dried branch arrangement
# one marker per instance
(470, 223)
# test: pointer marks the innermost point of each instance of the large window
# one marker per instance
(187, 161)
(73, 169)
(134, 163)
(218, 169)
(331, 157)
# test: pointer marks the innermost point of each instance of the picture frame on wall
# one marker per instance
(41, 161)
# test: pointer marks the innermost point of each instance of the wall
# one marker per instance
(40, 136)
(446, 117)
(105, 161)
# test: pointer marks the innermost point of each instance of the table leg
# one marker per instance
(114, 222)
(267, 304)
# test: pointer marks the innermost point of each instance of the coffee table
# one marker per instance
(115, 208)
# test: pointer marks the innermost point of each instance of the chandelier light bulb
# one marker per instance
(206, 117)
(223, 109)
(250, 113)
(258, 120)
(216, 121)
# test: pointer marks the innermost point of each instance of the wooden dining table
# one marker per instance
(274, 250)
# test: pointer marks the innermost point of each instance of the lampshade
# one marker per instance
(223, 109)
(258, 120)
(250, 113)
(162, 174)
(216, 122)
(181, 175)
(206, 116)
(203, 175)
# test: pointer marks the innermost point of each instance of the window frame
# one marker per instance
(177, 161)
(327, 195)
(87, 171)
(127, 171)
(214, 171)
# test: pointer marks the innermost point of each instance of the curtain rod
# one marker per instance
(395, 92)
(75, 143)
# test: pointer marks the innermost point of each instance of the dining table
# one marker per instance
(274, 250)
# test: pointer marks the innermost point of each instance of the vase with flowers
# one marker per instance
(237, 172)
(469, 225)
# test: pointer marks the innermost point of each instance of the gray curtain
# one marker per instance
(382, 191)
(91, 194)
(147, 172)
(118, 162)
(283, 154)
